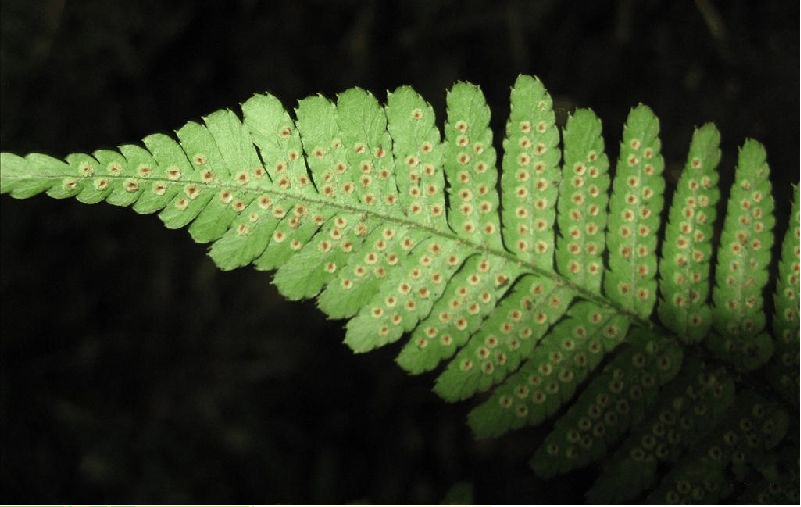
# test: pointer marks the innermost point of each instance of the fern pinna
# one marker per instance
(523, 286)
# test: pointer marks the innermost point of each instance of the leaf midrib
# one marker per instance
(310, 198)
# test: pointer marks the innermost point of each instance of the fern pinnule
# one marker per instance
(418, 152)
(581, 208)
(687, 246)
(784, 366)
(531, 174)
(743, 259)
(634, 211)
(470, 167)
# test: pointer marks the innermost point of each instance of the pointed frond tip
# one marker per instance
(519, 280)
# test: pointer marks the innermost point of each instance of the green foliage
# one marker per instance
(460, 493)
(526, 286)
(687, 245)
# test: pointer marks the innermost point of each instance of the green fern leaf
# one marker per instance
(531, 173)
(278, 141)
(404, 231)
(551, 375)
(634, 214)
(687, 247)
(784, 365)
(610, 404)
(508, 337)
(582, 207)
(686, 410)
(206, 206)
(418, 152)
(747, 431)
(743, 259)
(470, 167)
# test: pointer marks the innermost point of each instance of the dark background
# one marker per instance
(133, 371)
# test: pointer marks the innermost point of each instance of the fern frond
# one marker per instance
(524, 287)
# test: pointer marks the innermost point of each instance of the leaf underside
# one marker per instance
(400, 228)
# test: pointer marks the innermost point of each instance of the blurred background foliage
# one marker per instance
(133, 371)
